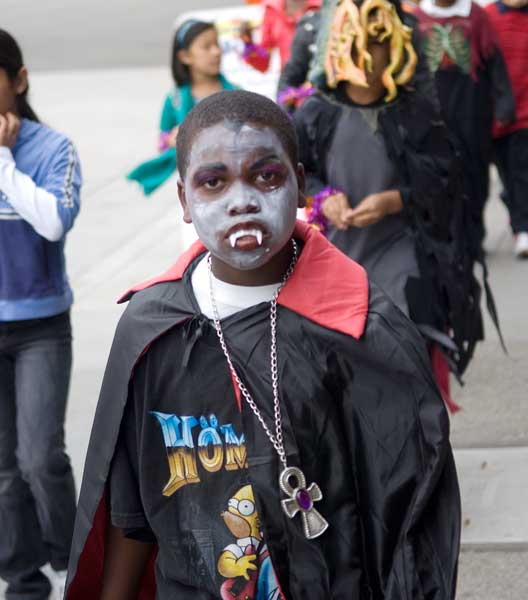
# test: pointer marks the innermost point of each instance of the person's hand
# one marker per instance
(245, 32)
(373, 208)
(9, 128)
(334, 208)
(171, 138)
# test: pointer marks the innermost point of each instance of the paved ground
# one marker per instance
(77, 34)
(493, 576)
(494, 399)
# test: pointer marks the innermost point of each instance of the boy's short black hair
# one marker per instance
(240, 107)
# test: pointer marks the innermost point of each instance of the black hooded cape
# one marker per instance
(362, 417)
(446, 297)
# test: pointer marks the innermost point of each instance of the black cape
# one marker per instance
(446, 297)
(361, 416)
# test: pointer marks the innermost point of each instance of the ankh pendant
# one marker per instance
(301, 499)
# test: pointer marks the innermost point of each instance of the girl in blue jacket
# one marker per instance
(40, 180)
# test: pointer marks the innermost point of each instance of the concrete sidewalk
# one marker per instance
(121, 238)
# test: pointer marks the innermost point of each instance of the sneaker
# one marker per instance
(521, 245)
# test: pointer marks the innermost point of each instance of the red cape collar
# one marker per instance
(326, 287)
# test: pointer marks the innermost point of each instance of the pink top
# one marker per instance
(278, 29)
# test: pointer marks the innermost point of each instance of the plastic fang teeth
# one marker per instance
(256, 233)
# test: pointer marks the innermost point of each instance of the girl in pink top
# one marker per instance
(278, 28)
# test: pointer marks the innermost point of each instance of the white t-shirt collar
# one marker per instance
(229, 298)
(461, 8)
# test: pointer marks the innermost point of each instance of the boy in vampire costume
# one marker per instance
(268, 425)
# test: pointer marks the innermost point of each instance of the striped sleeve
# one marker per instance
(27, 201)
(50, 206)
(64, 181)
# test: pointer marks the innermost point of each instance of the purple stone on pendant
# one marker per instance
(301, 499)
(304, 499)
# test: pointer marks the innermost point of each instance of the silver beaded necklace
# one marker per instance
(292, 480)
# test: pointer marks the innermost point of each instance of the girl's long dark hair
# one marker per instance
(186, 33)
(11, 61)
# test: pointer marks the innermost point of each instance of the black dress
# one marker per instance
(423, 257)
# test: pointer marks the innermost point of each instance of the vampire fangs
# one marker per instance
(246, 230)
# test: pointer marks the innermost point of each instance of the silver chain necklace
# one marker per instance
(292, 480)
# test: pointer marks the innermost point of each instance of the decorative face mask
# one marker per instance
(347, 57)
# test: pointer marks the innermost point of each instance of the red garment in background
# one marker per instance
(441, 374)
(477, 31)
(278, 29)
(511, 26)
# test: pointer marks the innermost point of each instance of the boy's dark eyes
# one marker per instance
(208, 181)
(211, 183)
(265, 178)
(270, 177)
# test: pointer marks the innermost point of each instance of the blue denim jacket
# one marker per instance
(33, 281)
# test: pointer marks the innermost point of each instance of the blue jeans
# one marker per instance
(37, 492)
(511, 156)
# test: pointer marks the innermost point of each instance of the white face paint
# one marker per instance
(242, 193)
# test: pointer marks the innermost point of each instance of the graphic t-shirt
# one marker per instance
(179, 473)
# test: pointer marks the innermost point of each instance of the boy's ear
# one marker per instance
(183, 201)
(301, 183)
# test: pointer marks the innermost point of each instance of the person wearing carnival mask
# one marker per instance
(473, 87)
(384, 181)
(294, 81)
(268, 425)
